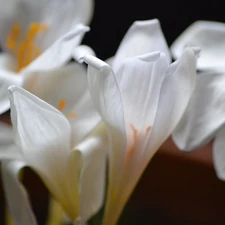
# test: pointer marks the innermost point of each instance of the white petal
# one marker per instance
(93, 151)
(140, 79)
(86, 118)
(59, 53)
(106, 96)
(175, 94)
(7, 78)
(204, 114)
(210, 37)
(43, 134)
(67, 84)
(143, 37)
(15, 193)
(50, 13)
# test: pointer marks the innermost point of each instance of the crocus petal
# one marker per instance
(44, 12)
(67, 83)
(204, 114)
(175, 94)
(165, 102)
(59, 53)
(93, 151)
(219, 153)
(7, 78)
(143, 37)
(106, 95)
(16, 195)
(210, 37)
(67, 86)
(140, 79)
(43, 134)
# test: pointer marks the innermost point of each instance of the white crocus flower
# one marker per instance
(37, 36)
(141, 102)
(204, 118)
(74, 174)
(66, 89)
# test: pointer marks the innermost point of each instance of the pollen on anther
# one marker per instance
(62, 105)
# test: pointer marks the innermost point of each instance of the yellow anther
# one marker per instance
(62, 105)
(24, 48)
(13, 37)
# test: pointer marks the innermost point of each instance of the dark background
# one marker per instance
(177, 188)
(113, 18)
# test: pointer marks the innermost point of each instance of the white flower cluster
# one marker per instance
(69, 120)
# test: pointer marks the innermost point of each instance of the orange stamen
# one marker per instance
(62, 105)
(24, 48)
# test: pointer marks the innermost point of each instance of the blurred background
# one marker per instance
(177, 188)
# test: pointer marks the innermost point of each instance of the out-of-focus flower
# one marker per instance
(74, 174)
(140, 98)
(210, 37)
(204, 118)
(35, 39)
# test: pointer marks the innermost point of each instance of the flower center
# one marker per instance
(61, 107)
(24, 48)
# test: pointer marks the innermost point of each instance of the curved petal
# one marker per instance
(80, 51)
(174, 97)
(210, 37)
(92, 186)
(59, 53)
(43, 134)
(143, 37)
(66, 89)
(7, 78)
(105, 94)
(204, 114)
(16, 195)
(219, 153)
(50, 13)
(140, 79)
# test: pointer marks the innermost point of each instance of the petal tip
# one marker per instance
(95, 62)
(145, 23)
(12, 89)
